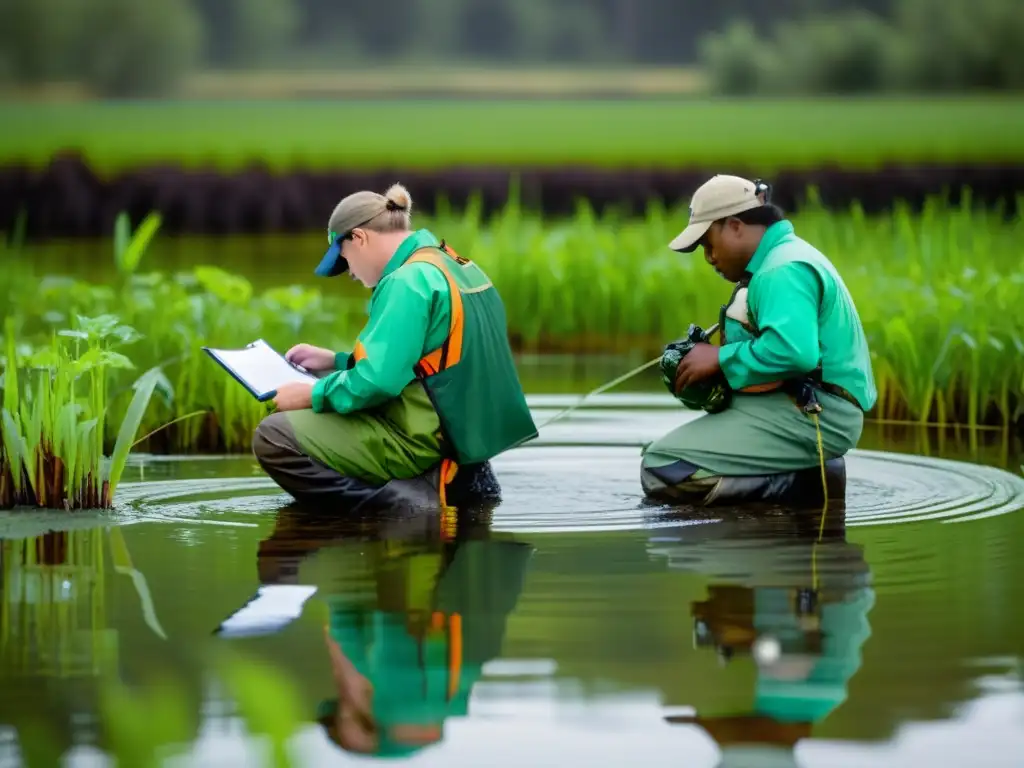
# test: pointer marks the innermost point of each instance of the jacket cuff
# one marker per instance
(341, 360)
(732, 368)
(319, 396)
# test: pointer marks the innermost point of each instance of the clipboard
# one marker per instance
(259, 368)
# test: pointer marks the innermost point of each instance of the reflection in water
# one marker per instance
(785, 614)
(414, 608)
(53, 617)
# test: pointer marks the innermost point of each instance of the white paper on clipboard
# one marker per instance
(260, 368)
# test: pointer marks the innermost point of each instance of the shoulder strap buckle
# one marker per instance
(451, 252)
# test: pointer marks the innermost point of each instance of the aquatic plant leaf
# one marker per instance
(144, 387)
(122, 236)
(148, 280)
(163, 386)
(10, 401)
(87, 462)
(140, 241)
(115, 360)
(233, 289)
(99, 327)
(14, 447)
(126, 334)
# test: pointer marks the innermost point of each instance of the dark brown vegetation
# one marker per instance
(67, 199)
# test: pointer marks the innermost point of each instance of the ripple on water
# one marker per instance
(551, 488)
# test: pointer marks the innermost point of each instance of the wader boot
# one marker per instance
(685, 483)
(310, 482)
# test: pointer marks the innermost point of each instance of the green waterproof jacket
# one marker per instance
(800, 316)
(435, 318)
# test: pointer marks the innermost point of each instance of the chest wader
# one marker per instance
(781, 442)
(466, 401)
(473, 386)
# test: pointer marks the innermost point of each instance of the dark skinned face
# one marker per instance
(728, 247)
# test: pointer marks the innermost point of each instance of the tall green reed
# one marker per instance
(938, 292)
(54, 416)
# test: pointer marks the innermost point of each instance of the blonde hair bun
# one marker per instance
(399, 197)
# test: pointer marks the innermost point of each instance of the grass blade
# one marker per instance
(130, 425)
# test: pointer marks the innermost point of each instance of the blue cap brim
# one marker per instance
(332, 263)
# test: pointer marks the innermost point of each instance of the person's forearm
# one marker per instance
(766, 359)
(785, 305)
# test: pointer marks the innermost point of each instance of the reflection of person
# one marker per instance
(795, 609)
(791, 333)
(431, 378)
(415, 610)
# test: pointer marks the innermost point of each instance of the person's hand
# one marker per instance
(700, 363)
(294, 396)
(311, 358)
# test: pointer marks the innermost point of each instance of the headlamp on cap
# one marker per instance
(763, 191)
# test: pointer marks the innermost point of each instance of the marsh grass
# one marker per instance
(939, 293)
(54, 416)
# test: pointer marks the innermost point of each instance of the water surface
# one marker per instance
(589, 626)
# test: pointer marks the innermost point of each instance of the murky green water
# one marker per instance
(573, 624)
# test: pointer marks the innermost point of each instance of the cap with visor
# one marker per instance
(718, 198)
(356, 210)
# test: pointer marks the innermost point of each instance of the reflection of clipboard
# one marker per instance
(271, 609)
(259, 368)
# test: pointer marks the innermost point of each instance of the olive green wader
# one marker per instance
(763, 447)
(464, 406)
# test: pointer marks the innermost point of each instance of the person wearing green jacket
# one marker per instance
(429, 387)
(793, 357)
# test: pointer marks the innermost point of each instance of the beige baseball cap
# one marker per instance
(719, 197)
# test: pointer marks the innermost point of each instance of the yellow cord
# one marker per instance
(824, 509)
(824, 483)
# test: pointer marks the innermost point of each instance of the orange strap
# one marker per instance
(454, 653)
(758, 388)
(448, 471)
(450, 352)
(454, 621)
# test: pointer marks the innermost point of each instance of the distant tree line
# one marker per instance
(920, 46)
(136, 47)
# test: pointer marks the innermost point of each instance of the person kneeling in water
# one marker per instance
(790, 341)
(430, 386)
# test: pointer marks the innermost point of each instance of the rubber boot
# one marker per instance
(672, 484)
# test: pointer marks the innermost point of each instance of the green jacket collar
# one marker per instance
(421, 238)
(773, 235)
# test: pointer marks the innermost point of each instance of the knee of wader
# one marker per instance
(674, 482)
(272, 436)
